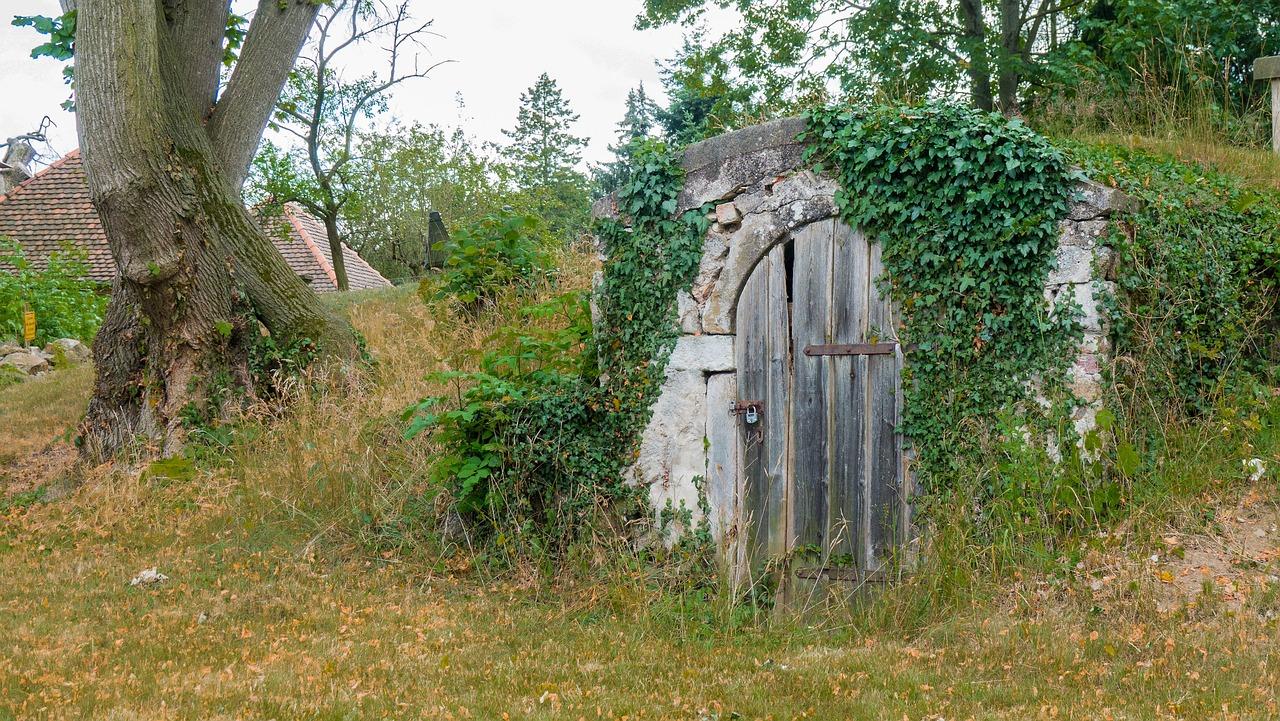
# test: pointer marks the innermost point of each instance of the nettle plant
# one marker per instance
(496, 253)
(67, 303)
(966, 206)
(536, 442)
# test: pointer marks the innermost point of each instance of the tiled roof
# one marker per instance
(53, 208)
(305, 245)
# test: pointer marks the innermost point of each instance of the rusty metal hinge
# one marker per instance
(851, 349)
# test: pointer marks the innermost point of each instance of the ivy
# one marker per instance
(966, 206)
(1195, 307)
(540, 437)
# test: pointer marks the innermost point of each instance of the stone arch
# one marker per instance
(761, 192)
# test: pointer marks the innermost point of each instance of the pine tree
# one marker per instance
(637, 122)
(543, 152)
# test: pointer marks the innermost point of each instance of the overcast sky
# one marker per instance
(500, 47)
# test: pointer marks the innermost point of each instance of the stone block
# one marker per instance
(722, 167)
(672, 452)
(71, 349)
(689, 312)
(26, 362)
(1073, 264)
(727, 214)
(704, 353)
(1093, 201)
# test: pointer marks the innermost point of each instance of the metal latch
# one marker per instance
(749, 410)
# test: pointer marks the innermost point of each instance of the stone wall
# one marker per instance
(761, 195)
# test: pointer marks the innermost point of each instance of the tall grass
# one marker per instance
(1185, 99)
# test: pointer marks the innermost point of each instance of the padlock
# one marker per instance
(753, 415)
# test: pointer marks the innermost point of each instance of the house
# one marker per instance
(52, 207)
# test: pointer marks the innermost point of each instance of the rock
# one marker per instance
(727, 214)
(706, 353)
(8, 348)
(72, 349)
(28, 363)
(148, 577)
(690, 313)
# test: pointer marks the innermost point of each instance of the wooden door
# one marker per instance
(818, 361)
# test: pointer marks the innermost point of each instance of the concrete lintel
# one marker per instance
(1266, 68)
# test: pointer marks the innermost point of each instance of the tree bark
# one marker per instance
(276, 35)
(973, 39)
(335, 250)
(196, 272)
(1009, 73)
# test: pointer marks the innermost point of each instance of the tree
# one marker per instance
(542, 160)
(166, 146)
(410, 172)
(543, 152)
(784, 51)
(638, 121)
(323, 112)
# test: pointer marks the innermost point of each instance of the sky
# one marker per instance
(499, 47)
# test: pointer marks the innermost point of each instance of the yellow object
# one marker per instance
(28, 326)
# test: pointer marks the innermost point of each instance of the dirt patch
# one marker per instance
(1233, 560)
(1239, 558)
(29, 472)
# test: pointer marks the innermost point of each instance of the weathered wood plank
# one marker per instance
(810, 324)
(723, 479)
(847, 392)
(777, 398)
(751, 361)
(883, 465)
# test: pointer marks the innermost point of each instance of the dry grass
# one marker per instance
(296, 591)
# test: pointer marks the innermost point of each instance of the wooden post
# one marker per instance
(1268, 69)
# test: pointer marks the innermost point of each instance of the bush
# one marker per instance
(537, 441)
(1195, 311)
(524, 432)
(496, 253)
(66, 302)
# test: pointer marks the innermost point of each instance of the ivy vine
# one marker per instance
(541, 436)
(966, 206)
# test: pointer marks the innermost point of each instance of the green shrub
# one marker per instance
(536, 442)
(499, 251)
(1195, 307)
(66, 302)
(530, 419)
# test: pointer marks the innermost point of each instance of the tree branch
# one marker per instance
(275, 38)
(197, 29)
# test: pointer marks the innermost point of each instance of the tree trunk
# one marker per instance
(973, 39)
(335, 250)
(196, 272)
(1010, 58)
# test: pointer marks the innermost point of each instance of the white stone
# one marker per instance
(147, 577)
(690, 314)
(1072, 265)
(672, 452)
(28, 363)
(706, 353)
(1087, 298)
(72, 349)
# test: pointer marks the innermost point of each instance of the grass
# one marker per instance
(306, 582)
